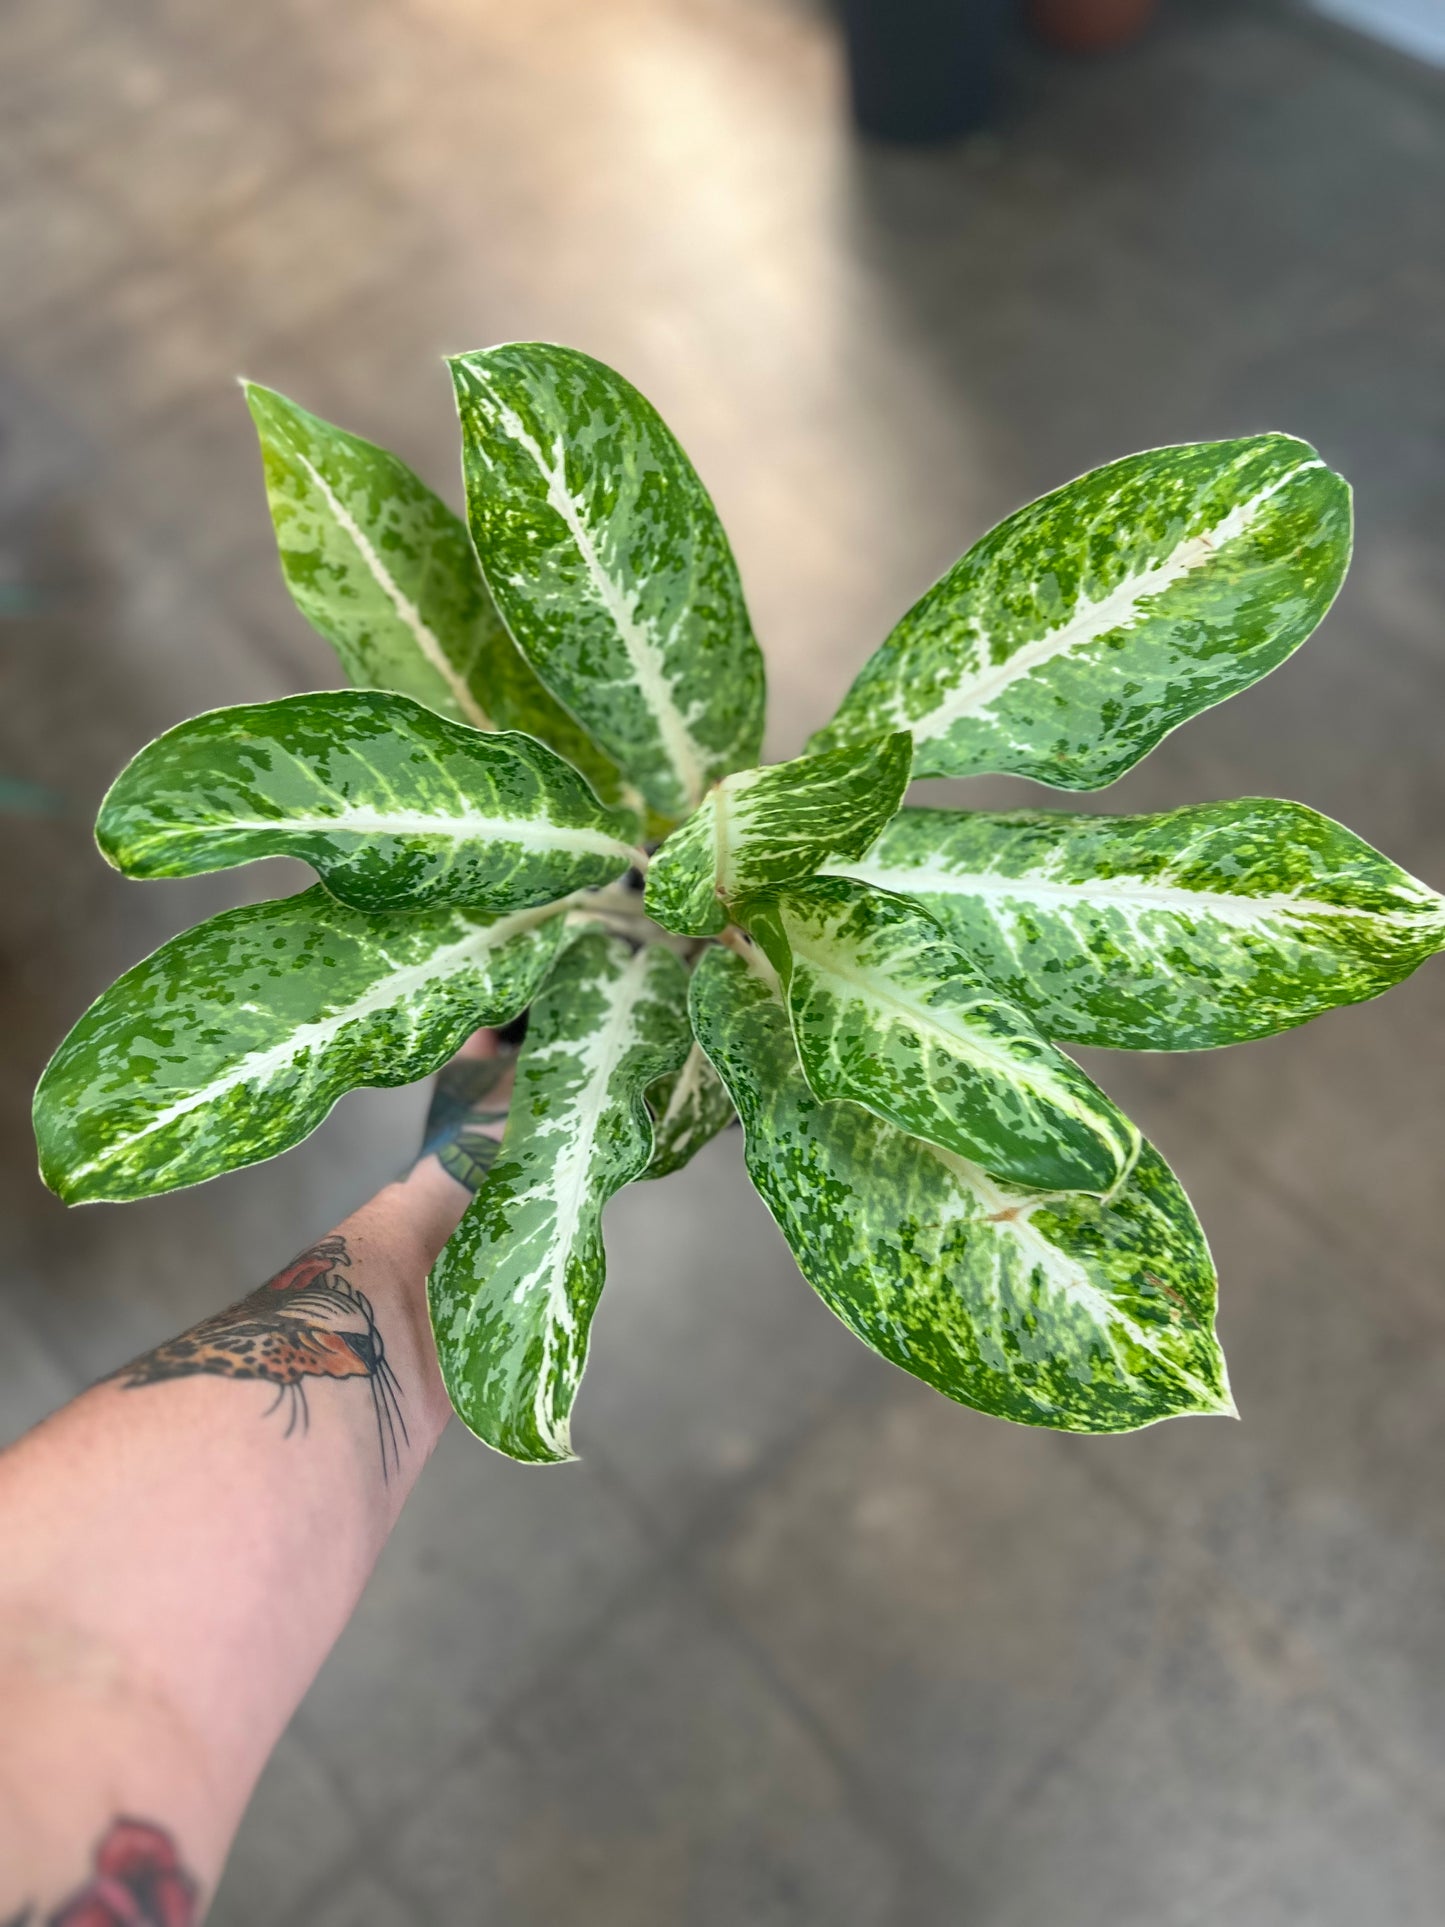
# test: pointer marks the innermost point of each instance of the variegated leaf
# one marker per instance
(517, 699)
(1058, 1310)
(889, 1014)
(1178, 931)
(386, 572)
(762, 827)
(234, 1040)
(394, 806)
(513, 1294)
(688, 1111)
(1080, 631)
(605, 555)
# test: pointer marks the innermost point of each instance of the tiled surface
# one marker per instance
(701, 1374)
(299, 1820)
(798, 1642)
(495, 1575)
(33, 1381)
(882, 1571)
(359, 1900)
(660, 1776)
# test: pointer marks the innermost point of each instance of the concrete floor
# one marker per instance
(799, 1641)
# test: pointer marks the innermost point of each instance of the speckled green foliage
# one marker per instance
(1084, 628)
(682, 893)
(956, 1189)
(394, 806)
(1176, 931)
(513, 1294)
(235, 1039)
(688, 1111)
(887, 1013)
(764, 827)
(385, 570)
(1052, 1309)
(607, 560)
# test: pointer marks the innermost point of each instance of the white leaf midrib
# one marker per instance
(688, 1088)
(527, 832)
(956, 1040)
(678, 744)
(255, 1066)
(1128, 897)
(1091, 619)
(599, 1055)
(1010, 1213)
(407, 611)
(742, 798)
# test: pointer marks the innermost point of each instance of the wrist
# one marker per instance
(406, 1225)
(428, 1204)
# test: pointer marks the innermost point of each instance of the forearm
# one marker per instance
(183, 1544)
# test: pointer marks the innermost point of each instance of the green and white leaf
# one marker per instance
(607, 560)
(762, 827)
(1079, 632)
(512, 1295)
(384, 569)
(1056, 1310)
(234, 1040)
(393, 805)
(887, 1013)
(1181, 930)
(688, 1111)
(518, 700)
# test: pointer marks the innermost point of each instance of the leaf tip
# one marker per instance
(503, 1438)
(1219, 1401)
(53, 1173)
(555, 1451)
(1226, 1407)
(269, 409)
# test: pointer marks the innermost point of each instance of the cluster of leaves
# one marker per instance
(547, 694)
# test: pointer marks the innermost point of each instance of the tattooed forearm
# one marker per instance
(468, 1111)
(309, 1322)
(137, 1880)
(312, 1321)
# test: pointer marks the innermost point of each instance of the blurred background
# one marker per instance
(798, 1641)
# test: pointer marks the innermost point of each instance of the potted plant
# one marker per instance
(564, 697)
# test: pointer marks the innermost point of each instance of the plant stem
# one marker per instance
(752, 956)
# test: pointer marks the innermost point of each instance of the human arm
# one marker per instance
(185, 1541)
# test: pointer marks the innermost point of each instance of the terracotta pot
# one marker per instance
(1087, 26)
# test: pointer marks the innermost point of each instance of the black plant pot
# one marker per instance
(922, 70)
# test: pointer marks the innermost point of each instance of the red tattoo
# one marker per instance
(138, 1882)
